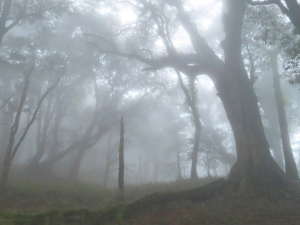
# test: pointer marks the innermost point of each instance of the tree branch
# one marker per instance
(6, 101)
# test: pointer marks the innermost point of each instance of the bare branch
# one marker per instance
(6, 101)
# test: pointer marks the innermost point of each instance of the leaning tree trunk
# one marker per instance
(290, 165)
(121, 158)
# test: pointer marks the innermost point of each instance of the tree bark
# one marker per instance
(290, 165)
(254, 165)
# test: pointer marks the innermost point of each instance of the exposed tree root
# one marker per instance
(197, 194)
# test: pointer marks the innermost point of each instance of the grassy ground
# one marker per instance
(29, 197)
(76, 203)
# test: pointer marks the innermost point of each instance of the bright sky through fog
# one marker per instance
(208, 10)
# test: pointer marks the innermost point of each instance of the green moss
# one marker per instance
(119, 218)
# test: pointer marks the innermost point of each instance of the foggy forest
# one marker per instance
(149, 112)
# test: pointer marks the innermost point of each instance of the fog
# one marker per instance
(71, 70)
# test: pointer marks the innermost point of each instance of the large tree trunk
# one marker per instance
(290, 165)
(254, 165)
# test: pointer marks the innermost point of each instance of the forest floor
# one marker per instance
(60, 202)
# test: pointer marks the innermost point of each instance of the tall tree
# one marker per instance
(254, 166)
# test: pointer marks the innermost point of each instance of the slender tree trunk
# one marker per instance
(273, 132)
(207, 164)
(146, 171)
(197, 131)
(13, 131)
(107, 170)
(290, 165)
(178, 162)
(42, 134)
(155, 169)
(140, 167)
(191, 100)
(11, 149)
(108, 160)
(7, 118)
(60, 111)
(121, 158)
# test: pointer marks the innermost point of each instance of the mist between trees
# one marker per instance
(208, 88)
